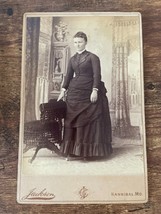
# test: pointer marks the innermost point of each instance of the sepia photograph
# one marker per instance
(82, 127)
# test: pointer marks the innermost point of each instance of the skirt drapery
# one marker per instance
(87, 130)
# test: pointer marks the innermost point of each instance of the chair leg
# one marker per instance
(52, 147)
(34, 156)
(27, 147)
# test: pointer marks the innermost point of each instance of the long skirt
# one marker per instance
(87, 131)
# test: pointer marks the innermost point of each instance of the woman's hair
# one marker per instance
(81, 35)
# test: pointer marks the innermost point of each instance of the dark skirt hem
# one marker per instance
(86, 150)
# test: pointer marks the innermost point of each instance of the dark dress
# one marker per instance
(87, 131)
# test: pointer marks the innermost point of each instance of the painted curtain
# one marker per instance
(125, 41)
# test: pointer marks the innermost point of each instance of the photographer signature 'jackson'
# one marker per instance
(39, 195)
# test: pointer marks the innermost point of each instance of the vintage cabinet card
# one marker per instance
(82, 128)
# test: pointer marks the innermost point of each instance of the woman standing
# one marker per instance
(87, 131)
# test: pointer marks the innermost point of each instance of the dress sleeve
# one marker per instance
(69, 75)
(96, 71)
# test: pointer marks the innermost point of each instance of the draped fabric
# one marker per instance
(120, 102)
(122, 113)
(92, 137)
(31, 65)
(42, 87)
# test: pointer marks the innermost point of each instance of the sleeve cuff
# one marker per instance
(95, 89)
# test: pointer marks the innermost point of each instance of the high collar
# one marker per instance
(80, 52)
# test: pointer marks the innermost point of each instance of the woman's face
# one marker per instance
(79, 43)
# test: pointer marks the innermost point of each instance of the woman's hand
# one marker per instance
(62, 94)
(94, 96)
